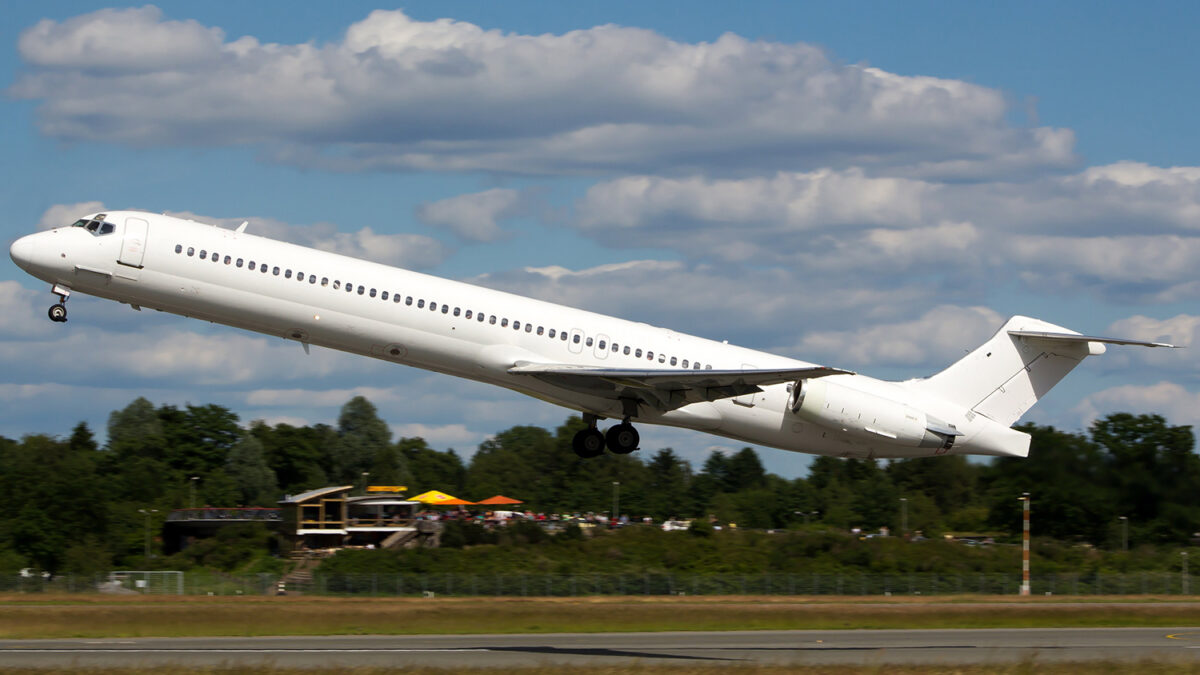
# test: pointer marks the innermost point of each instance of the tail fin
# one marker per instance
(1020, 363)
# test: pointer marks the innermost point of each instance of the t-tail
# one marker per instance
(1008, 374)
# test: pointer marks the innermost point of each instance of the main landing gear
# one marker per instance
(621, 439)
(58, 313)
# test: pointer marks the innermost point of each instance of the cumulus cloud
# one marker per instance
(473, 216)
(397, 93)
(936, 339)
(1169, 399)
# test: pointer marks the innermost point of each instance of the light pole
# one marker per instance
(1186, 578)
(192, 492)
(904, 516)
(616, 500)
(147, 513)
(1124, 533)
(1025, 545)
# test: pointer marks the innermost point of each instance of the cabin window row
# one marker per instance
(480, 317)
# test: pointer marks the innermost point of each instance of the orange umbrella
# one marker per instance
(500, 499)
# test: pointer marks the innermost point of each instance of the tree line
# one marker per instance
(73, 505)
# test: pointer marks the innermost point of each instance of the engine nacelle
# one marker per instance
(868, 416)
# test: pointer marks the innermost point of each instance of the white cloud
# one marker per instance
(397, 93)
(19, 308)
(473, 216)
(936, 339)
(442, 435)
(1169, 399)
(62, 215)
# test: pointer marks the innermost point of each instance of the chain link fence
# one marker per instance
(578, 585)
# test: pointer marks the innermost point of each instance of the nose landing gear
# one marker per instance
(58, 313)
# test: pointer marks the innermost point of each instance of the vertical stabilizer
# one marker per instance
(1010, 372)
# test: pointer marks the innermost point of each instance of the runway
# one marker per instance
(819, 647)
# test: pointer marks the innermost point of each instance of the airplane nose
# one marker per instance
(22, 251)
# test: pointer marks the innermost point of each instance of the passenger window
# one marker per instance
(216, 257)
(299, 276)
(239, 263)
(251, 266)
(614, 348)
(396, 298)
(685, 362)
(626, 352)
(504, 323)
(179, 248)
(708, 367)
(638, 353)
(696, 366)
(203, 254)
(262, 268)
(662, 358)
(589, 342)
(492, 320)
(458, 311)
(673, 361)
(312, 279)
(602, 345)
(541, 330)
(383, 296)
(349, 287)
(516, 325)
(649, 356)
(191, 251)
(467, 315)
(275, 271)
(228, 260)
(528, 328)
(324, 281)
(445, 309)
(287, 274)
(421, 304)
(372, 293)
(563, 336)
(433, 306)
(337, 284)
(551, 333)
(575, 339)
(361, 289)
(408, 300)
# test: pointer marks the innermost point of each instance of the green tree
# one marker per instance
(361, 436)
(253, 478)
(433, 470)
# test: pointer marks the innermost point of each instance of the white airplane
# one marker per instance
(599, 365)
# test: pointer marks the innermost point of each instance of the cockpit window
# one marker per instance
(96, 225)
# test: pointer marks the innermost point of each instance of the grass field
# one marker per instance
(95, 616)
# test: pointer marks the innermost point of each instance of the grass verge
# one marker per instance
(26, 617)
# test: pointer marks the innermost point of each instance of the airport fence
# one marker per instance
(578, 585)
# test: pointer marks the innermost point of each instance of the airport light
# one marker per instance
(1025, 544)
(1124, 533)
(616, 500)
(903, 516)
(147, 513)
(806, 514)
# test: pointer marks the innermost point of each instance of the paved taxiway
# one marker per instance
(852, 647)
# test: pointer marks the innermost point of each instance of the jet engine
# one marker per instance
(868, 416)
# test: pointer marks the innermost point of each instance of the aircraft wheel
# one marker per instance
(57, 313)
(588, 443)
(622, 439)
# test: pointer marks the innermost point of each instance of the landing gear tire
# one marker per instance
(57, 313)
(622, 439)
(588, 443)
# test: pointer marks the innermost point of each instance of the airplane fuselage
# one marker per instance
(321, 298)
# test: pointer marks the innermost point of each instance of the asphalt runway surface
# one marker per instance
(818, 647)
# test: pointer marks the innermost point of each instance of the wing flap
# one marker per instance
(667, 389)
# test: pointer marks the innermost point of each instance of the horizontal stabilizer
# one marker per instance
(1075, 337)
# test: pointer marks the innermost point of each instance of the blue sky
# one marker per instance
(874, 189)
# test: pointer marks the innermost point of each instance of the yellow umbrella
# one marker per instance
(437, 497)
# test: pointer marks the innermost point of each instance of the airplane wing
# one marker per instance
(1074, 337)
(666, 389)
